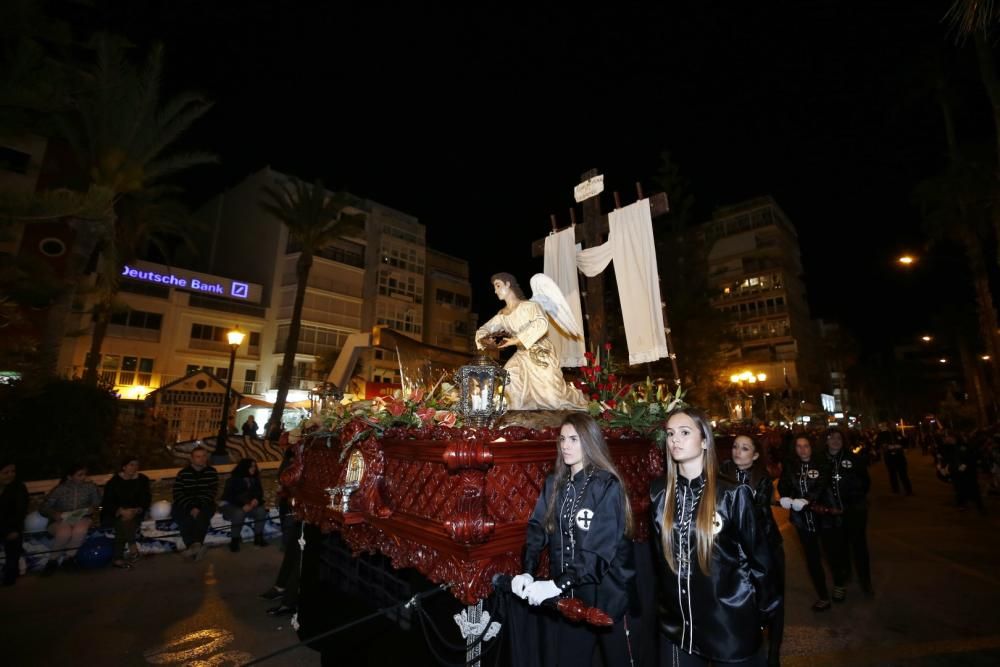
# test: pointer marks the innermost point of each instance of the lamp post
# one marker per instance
(221, 454)
(751, 378)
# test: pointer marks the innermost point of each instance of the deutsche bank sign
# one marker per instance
(191, 281)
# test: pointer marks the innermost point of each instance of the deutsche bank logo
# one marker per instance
(241, 290)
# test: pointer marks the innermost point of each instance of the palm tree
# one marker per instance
(979, 19)
(314, 218)
(151, 217)
(957, 204)
(120, 131)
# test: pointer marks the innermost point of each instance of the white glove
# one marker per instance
(799, 503)
(786, 502)
(540, 591)
(519, 585)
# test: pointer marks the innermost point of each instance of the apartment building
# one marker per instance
(755, 272)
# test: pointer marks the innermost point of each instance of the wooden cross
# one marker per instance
(593, 232)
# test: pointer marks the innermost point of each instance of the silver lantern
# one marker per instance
(483, 387)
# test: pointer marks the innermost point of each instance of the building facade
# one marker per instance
(755, 276)
(245, 275)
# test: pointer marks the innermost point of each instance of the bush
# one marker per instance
(66, 421)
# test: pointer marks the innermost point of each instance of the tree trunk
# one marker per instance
(54, 334)
(302, 268)
(102, 318)
(988, 75)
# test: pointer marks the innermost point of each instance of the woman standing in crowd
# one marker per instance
(849, 484)
(805, 480)
(749, 467)
(243, 496)
(126, 498)
(69, 507)
(717, 587)
(13, 509)
(584, 519)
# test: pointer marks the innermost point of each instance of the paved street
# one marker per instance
(935, 571)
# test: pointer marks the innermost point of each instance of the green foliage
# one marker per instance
(67, 421)
(644, 409)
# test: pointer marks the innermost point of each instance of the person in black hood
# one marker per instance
(749, 467)
(13, 509)
(717, 574)
(804, 489)
(242, 497)
(849, 484)
(127, 496)
(584, 519)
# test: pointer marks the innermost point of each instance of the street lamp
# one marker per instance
(221, 454)
(906, 260)
(748, 377)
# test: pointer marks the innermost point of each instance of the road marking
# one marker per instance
(880, 655)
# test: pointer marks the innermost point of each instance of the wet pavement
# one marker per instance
(934, 569)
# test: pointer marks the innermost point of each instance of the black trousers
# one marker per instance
(568, 644)
(967, 489)
(288, 573)
(672, 655)
(776, 624)
(856, 535)
(814, 562)
(193, 529)
(125, 534)
(12, 550)
(895, 464)
(834, 541)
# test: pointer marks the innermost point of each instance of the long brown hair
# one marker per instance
(514, 286)
(595, 454)
(704, 534)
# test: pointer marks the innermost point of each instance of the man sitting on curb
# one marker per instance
(195, 489)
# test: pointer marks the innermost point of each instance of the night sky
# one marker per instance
(482, 117)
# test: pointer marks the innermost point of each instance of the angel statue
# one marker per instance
(536, 379)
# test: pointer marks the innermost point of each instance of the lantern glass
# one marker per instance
(483, 386)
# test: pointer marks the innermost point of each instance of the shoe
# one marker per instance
(234, 544)
(272, 593)
(839, 594)
(821, 605)
(281, 610)
(259, 541)
(202, 550)
(192, 550)
(50, 568)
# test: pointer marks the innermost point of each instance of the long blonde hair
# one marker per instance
(595, 454)
(704, 534)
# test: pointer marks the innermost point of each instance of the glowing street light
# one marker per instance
(985, 357)
(942, 360)
(926, 339)
(906, 260)
(221, 454)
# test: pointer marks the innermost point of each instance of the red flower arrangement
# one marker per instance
(600, 383)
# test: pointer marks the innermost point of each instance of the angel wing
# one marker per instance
(546, 293)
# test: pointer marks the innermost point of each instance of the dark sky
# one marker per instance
(482, 117)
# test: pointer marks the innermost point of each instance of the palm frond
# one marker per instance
(967, 17)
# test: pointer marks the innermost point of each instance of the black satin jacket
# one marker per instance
(762, 486)
(810, 480)
(719, 615)
(849, 480)
(590, 557)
